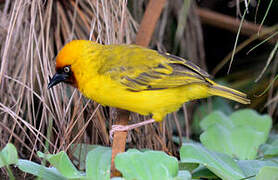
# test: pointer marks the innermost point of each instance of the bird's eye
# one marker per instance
(66, 69)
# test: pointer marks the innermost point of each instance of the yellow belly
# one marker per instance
(156, 102)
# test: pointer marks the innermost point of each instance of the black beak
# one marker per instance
(56, 79)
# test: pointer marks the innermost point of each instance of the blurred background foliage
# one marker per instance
(32, 32)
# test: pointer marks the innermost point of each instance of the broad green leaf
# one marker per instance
(240, 141)
(212, 139)
(220, 164)
(147, 165)
(188, 166)
(62, 163)
(216, 117)
(98, 163)
(203, 173)
(8, 155)
(268, 172)
(39, 170)
(249, 117)
(80, 152)
(251, 167)
(271, 147)
(239, 135)
(183, 175)
(202, 111)
(246, 142)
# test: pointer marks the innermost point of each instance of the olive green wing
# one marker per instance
(145, 69)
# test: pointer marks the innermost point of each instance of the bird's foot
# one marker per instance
(117, 128)
(128, 127)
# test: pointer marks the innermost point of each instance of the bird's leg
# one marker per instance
(128, 127)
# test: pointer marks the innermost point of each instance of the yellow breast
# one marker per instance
(157, 102)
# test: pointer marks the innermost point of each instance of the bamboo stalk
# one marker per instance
(148, 23)
(119, 140)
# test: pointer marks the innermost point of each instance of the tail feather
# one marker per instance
(229, 93)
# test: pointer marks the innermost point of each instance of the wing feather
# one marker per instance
(154, 70)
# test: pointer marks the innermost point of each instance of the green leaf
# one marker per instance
(39, 170)
(183, 175)
(268, 172)
(216, 117)
(62, 163)
(241, 142)
(249, 117)
(147, 165)
(220, 164)
(80, 152)
(219, 143)
(188, 166)
(98, 163)
(239, 135)
(8, 155)
(271, 148)
(251, 167)
(202, 111)
(203, 173)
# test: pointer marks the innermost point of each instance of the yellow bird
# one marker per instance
(135, 78)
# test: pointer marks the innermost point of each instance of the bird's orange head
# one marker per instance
(70, 54)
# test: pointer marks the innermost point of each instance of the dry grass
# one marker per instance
(32, 32)
(37, 119)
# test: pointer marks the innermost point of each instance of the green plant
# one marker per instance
(222, 154)
(238, 135)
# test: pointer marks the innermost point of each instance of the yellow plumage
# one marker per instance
(137, 79)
